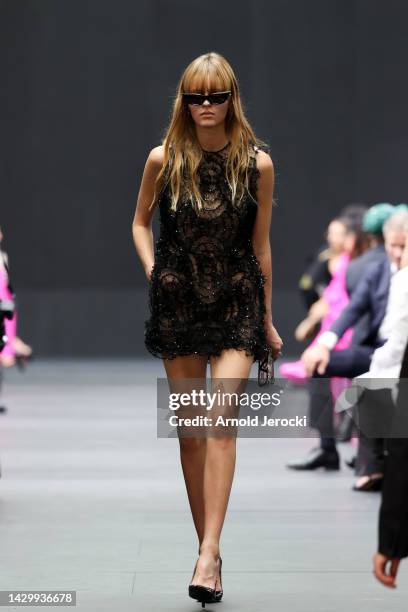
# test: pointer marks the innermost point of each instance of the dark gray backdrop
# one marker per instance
(87, 89)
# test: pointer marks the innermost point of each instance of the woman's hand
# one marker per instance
(273, 339)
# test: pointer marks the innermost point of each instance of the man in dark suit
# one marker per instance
(321, 362)
(393, 516)
(372, 224)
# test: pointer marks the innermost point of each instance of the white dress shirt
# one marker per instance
(387, 359)
(387, 324)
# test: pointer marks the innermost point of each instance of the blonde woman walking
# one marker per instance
(209, 274)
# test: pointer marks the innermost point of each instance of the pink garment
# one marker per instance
(10, 324)
(337, 299)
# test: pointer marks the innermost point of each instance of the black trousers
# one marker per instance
(393, 516)
(348, 363)
(393, 523)
(375, 417)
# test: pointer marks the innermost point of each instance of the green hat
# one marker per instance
(376, 216)
(400, 207)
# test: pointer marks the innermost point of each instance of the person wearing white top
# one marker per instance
(369, 300)
(385, 366)
(386, 360)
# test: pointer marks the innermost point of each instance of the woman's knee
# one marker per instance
(223, 443)
(192, 445)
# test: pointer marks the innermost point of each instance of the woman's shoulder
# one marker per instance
(156, 156)
(262, 154)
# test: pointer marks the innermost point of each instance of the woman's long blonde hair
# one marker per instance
(182, 152)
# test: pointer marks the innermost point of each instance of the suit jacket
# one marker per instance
(393, 518)
(370, 296)
(355, 270)
(358, 266)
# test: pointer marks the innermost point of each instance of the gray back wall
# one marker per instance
(88, 86)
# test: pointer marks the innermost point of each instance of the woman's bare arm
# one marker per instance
(142, 221)
(261, 243)
(260, 237)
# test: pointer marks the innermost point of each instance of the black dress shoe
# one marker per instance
(318, 457)
(351, 462)
(372, 484)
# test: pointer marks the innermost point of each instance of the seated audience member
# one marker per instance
(393, 515)
(383, 373)
(321, 362)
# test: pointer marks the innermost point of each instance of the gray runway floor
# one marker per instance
(92, 501)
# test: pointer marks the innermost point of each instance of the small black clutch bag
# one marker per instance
(266, 375)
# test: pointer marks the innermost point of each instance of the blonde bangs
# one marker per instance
(182, 151)
(205, 76)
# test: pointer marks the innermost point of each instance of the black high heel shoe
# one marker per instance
(219, 594)
(202, 593)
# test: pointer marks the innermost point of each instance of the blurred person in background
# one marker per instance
(6, 313)
(393, 515)
(348, 241)
(387, 359)
(334, 299)
(383, 373)
(321, 362)
(317, 274)
(373, 222)
(372, 225)
(333, 258)
(315, 277)
(15, 350)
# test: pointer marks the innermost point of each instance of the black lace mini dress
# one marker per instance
(206, 290)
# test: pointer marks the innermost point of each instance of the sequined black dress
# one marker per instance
(206, 287)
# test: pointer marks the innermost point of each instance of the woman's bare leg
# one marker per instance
(229, 368)
(192, 450)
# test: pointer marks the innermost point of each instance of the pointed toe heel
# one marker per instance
(202, 594)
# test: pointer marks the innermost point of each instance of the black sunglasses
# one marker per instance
(197, 99)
